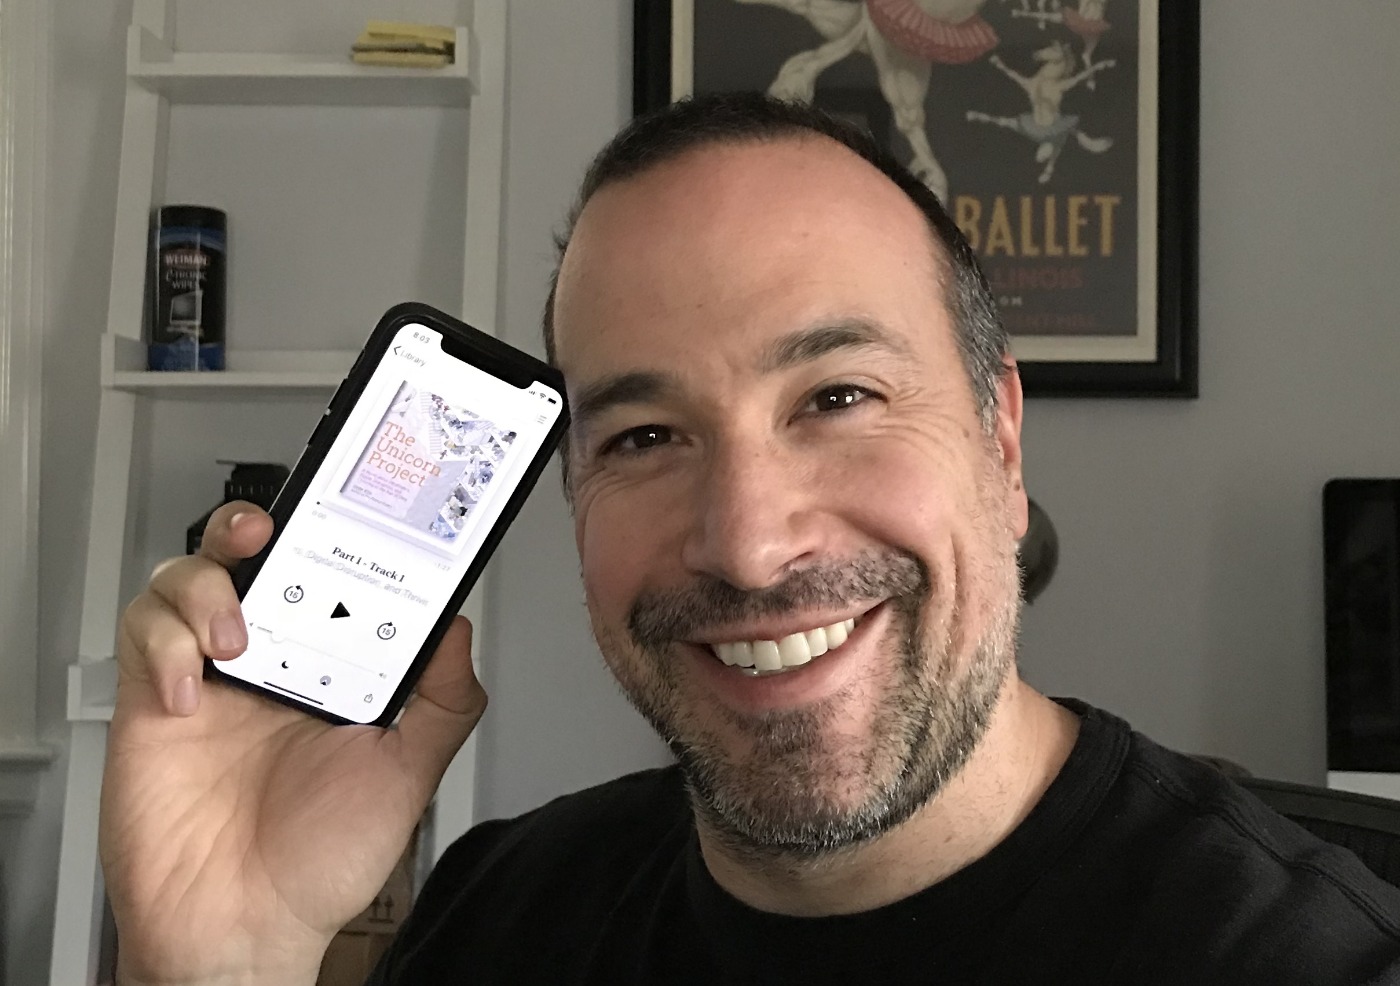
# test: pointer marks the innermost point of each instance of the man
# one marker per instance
(795, 471)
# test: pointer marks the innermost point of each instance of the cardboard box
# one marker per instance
(355, 950)
(351, 958)
(390, 906)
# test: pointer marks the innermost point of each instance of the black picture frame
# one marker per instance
(1165, 363)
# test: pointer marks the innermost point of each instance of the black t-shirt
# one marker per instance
(1138, 866)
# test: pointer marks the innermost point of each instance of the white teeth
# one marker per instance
(790, 652)
(732, 654)
(766, 656)
(794, 650)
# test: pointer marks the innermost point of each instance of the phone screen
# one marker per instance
(402, 503)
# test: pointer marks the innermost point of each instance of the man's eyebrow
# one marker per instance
(637, 387)
(793, 349)
(807, 345)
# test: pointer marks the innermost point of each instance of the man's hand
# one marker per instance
(238, 835)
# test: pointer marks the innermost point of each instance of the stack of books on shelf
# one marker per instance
(404, 45)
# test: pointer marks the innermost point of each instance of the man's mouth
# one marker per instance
(765, 657)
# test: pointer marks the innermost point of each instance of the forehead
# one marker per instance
(713, 254)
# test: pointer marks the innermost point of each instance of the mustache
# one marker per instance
(660, 618)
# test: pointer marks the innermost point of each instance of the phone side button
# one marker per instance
(334, 403)
(320, 427)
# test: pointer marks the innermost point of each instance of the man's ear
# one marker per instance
(1008, 439)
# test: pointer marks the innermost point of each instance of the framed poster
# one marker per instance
(1060, 134)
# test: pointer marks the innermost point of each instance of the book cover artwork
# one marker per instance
(428, 465)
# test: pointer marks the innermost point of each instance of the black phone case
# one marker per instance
(464, 342)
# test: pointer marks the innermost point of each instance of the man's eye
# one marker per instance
(838, 397)
(636, 440)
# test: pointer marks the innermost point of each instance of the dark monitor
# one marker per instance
(1361, 561)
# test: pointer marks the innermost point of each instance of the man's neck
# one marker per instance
(1025, 746)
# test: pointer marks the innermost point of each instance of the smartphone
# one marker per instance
(407, 484)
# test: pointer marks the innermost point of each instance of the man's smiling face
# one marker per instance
(777, 461)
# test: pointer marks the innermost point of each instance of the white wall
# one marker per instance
(84, 137)
(1189, 593)
(556, 721)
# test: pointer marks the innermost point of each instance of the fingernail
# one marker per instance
(236, 519)
(184, 700)
(227, 634)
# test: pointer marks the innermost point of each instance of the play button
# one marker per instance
(339, 612)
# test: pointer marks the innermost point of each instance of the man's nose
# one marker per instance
(753, 517)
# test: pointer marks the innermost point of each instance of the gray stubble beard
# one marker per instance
(802, 797)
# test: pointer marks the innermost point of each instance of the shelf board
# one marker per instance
(21, 768)
(239, 79)
(263, 372)
(92, 690)
(211, 386)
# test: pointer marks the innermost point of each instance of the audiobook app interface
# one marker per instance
(389, 525)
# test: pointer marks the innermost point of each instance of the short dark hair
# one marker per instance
(748, 117)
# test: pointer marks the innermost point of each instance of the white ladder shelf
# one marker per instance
(157, 76)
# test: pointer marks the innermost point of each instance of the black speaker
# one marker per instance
(256, 482)
(1361, 560)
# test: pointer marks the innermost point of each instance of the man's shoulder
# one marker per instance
(1217, 820)
(630, 815)
(1254, 890)
(1168, 804)
(550, 878)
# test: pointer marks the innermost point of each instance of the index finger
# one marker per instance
(236, 531)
